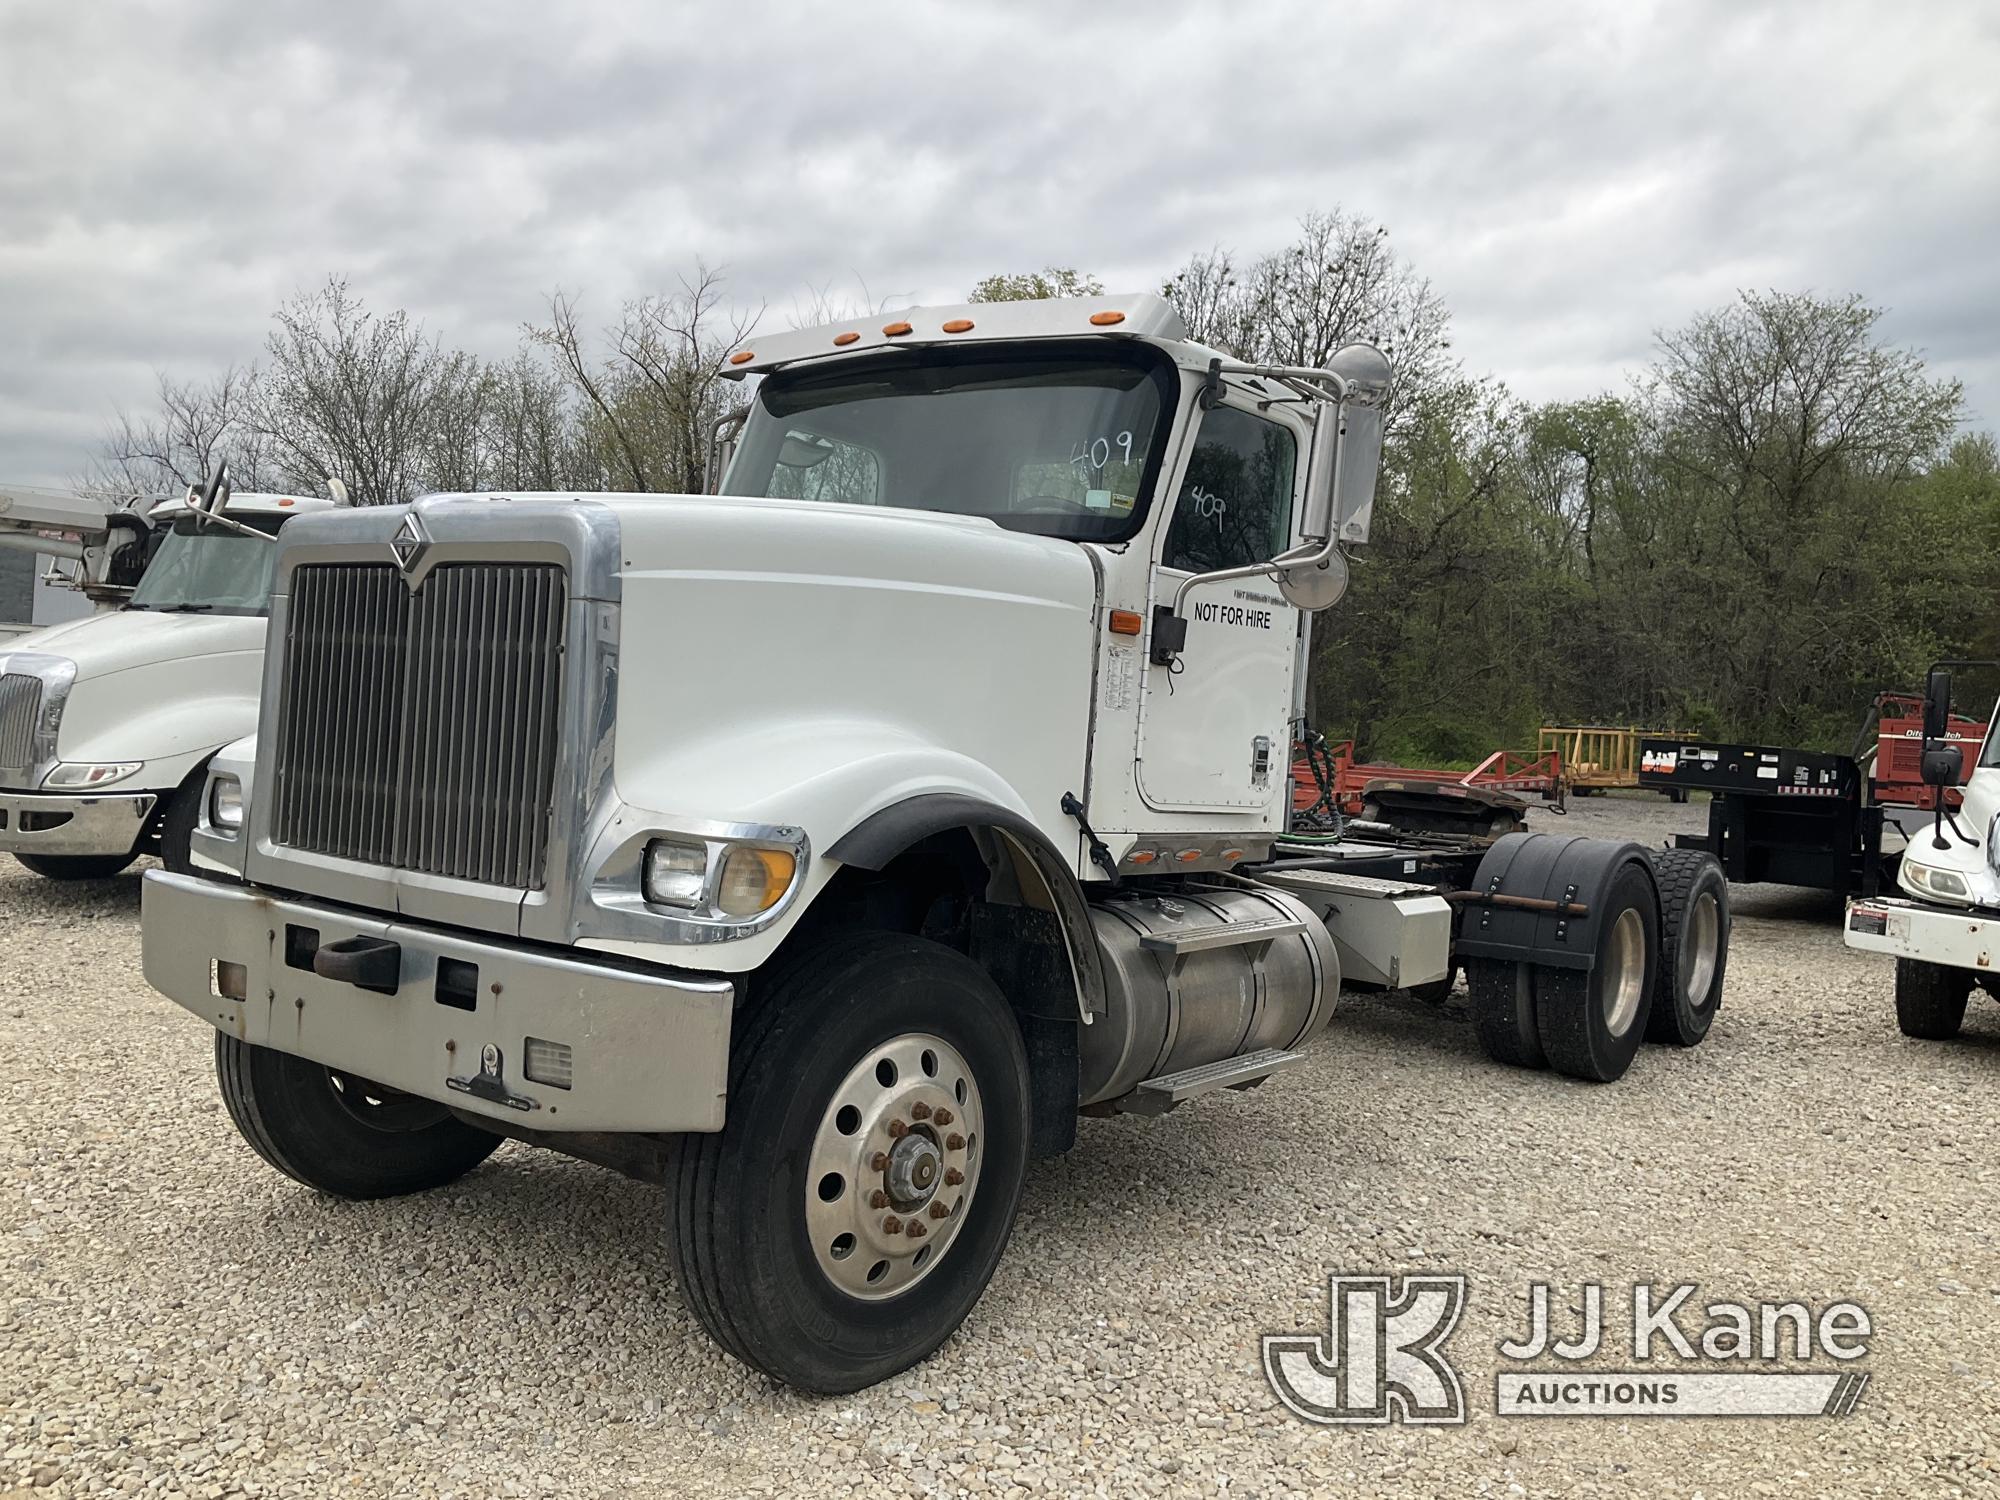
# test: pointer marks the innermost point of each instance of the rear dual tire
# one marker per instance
(1694, 945)
(1584, 1023)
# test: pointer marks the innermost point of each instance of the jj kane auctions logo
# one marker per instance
(1382, 1357)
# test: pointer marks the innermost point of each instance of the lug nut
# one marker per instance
(879, 1162)
(897, 1130)
(920, 1111)
(954, 1142)
(939, 1211)
(943, 1116)
(953, 1177)
(878, 1199)
(915, 1231)
(892, 1225)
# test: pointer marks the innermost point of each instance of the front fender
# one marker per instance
(171, 715)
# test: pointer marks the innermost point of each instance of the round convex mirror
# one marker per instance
(1315, 588)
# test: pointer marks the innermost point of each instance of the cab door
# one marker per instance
(1215, 728)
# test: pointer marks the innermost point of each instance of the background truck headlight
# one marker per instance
(1946, 883)
(87, 774)
(225, 804)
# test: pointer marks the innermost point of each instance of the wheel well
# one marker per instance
(157, 819)
(980, 892)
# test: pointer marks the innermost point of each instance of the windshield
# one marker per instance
(200, 568)
(1062, 444)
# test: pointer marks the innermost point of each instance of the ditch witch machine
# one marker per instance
(823, 847)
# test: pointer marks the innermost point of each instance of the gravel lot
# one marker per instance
(178, 1319)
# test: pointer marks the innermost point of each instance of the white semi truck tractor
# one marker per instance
(1944, 931)
(821, 848)
(107, 721)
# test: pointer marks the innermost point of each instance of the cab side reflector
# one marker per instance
(1106, 319)
(1126, 622)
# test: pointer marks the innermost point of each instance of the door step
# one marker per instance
(1220, 935)
(1158, 1095)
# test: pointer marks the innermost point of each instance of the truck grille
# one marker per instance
(20, 702)
(417, 729)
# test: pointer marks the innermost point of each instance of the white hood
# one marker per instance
(119, 640)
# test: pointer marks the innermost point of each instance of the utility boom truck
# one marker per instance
(107, 721)
(1945, 930)
(822, 847)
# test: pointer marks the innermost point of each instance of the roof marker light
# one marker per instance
(842, 340)
(895, 330)
(1106, 319)
(958, 325)
(741, 357)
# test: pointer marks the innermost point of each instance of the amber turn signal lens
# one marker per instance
(1126, 622)
(842, 340)
(1106, 319)
(741, 357)
(753, 880)
(895, 330)
(959, 325)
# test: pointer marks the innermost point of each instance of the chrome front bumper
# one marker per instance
(646, 1051)
(37, 823)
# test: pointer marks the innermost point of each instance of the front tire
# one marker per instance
(1930, 999)
(76, 866)
(340, 1133)
(855, 1203)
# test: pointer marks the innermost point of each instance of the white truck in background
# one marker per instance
(1944, 932)
(107, 721)
(821, 848)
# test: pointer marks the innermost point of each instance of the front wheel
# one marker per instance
(341, 1133)
(1930, 999)
(858, 1198)
(76, 866)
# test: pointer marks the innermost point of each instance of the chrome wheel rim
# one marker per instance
(894, 1165)
(1624, 971)
(1704, 926)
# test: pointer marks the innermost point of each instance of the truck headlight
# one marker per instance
(1947, 883)
(90, 774)
(225, 803)
(675, 873)
(754, 880)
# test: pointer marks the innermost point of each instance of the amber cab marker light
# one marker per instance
(1230, 856)
(1188, 856)
(959, 325)
(842, 340)
(1141, 857)
(741, 357)
(1106, 319)
(895, 330)
(1126, 622)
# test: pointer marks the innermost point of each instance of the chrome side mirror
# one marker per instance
(1357, 458)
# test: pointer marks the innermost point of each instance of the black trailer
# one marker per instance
(1787, 817)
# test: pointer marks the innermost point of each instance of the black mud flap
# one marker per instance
(1573, 872)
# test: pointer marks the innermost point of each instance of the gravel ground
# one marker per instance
(178, 1319)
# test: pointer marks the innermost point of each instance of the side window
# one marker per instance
(1235, 506)
(811, 467)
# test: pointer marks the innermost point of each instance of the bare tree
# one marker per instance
(198, 426)
(1025, 286)
(653, 399)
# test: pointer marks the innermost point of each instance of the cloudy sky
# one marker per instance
(1570, 177)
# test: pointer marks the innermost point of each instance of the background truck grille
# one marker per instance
(418, 730)
(20, 702)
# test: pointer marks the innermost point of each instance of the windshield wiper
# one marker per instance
(188, 609)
